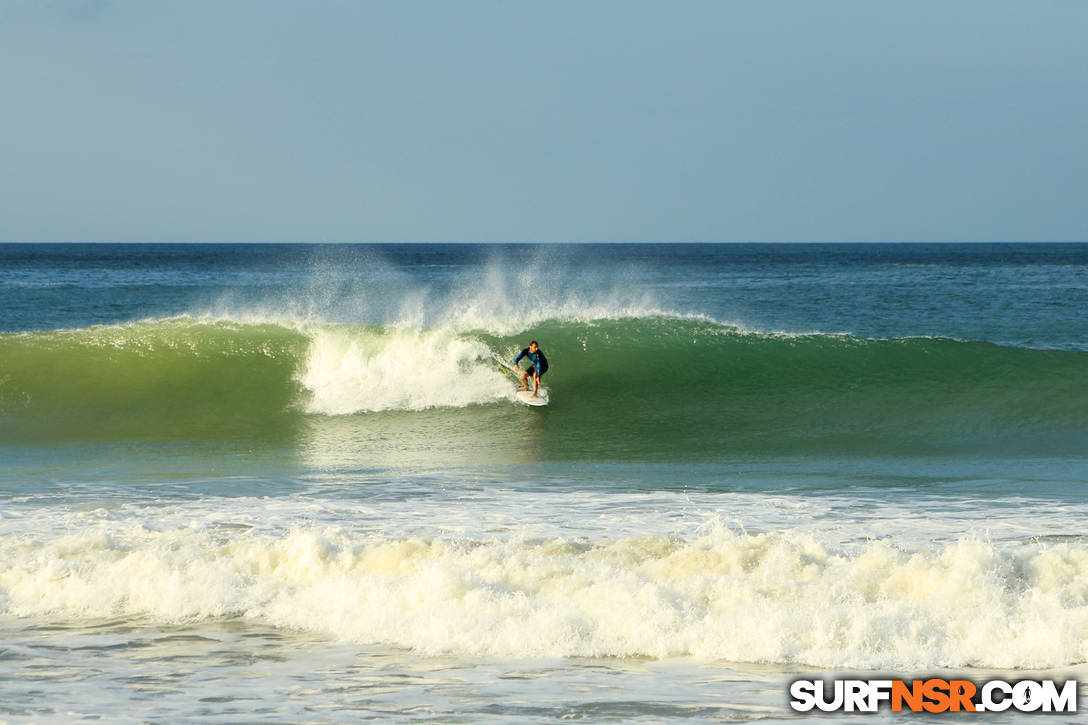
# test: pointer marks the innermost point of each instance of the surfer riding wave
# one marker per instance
(538, 367)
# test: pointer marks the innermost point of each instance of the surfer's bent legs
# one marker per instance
(525, 381)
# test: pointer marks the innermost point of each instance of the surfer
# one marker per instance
(538, 368)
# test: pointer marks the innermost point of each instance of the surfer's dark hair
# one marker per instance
(534, 342)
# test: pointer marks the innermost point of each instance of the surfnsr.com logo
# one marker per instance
(933, 695)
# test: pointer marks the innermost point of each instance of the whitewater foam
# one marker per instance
(357, 370)
(780, 598)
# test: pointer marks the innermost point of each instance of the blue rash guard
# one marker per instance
(537, 358)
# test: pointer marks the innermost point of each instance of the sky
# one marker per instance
(601, 121)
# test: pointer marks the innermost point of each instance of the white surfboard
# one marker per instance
(526, 396)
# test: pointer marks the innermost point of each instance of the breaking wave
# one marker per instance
(681, 384)
(778, 598)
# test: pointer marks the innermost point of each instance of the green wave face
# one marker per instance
(704, 389)
(621, 389)
(169, 380)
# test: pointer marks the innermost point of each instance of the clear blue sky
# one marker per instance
(768, 120)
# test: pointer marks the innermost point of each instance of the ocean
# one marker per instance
(245, 483)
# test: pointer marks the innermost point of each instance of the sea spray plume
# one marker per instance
(499, 289)
(346, 284)
(522, 287)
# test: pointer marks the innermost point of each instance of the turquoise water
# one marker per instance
(293, 479)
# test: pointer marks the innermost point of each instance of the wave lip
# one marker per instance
(749, 598)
